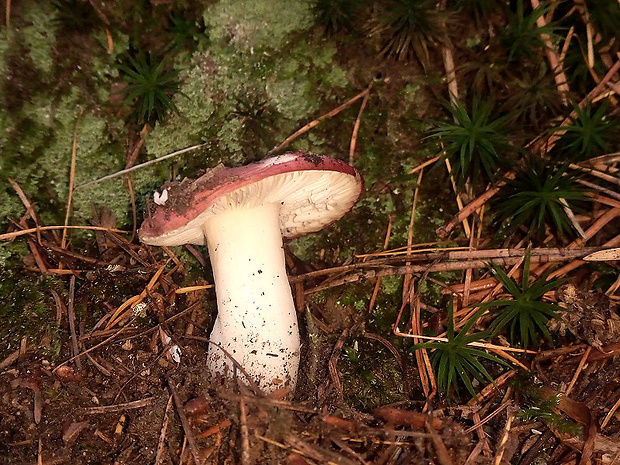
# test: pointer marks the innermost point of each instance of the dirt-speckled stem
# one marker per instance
(256, 321)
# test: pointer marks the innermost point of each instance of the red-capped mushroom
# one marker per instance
(242, 214)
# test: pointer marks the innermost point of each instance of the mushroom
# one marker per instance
(242, 215)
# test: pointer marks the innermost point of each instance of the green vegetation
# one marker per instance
(477, 144)
(371, 376)
(532, 98)
(537, 404)
(410, 28)
(27, 310)
(523, 37)
(525, 314)
(539, 196)
(455, 361)
(334, 15)
(186, 32)
(76, 15)
(605, 15)
(591, 133)
(150, 87)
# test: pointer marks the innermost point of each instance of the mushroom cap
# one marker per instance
(313, 191)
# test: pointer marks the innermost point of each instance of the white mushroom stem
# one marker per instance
(256, 321)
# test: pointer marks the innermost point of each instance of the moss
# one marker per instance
(38, 34)
(4, 46)
(10, 206)
(97, 155)
(24, 136)
(303, 75)
(47, 144)
(257, 56)
(10, 252)
(254, 26)
(391, 284)
(104, 65)
(228, 135)
(371, 376)
(37, 133)
(291, 97)
(27, 309)
(196, 108)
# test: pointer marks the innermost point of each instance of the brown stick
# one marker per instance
(375, 291)
(29, 208)
(501, 448)
(23, 232)
(7, 16)
(356, 127)
(162, 435)
(119, 407)
(96, 346)
(425, 164)
(443, 455)
(561, 81)
(333, 363)
(63, 241)
(474, 205)
(550, 142)
(12, 358)
(71, 317)
(482, 256)
(187, 429)
(245, 435)
(361, 275)
(317, 121)
(594, 172)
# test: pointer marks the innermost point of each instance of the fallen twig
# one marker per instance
(96, 346)
(10, 359)
(317, 121)
(63, 241)
(333, 363)
(445, 230)
(538, 254)
(71, 318)
(507, 257)
(162, 435)
(501, 448)
(555, 63)
(245, 436)
(356, 127)
(142, 165)
(119, 407)
(23, 232)
(184, 422)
